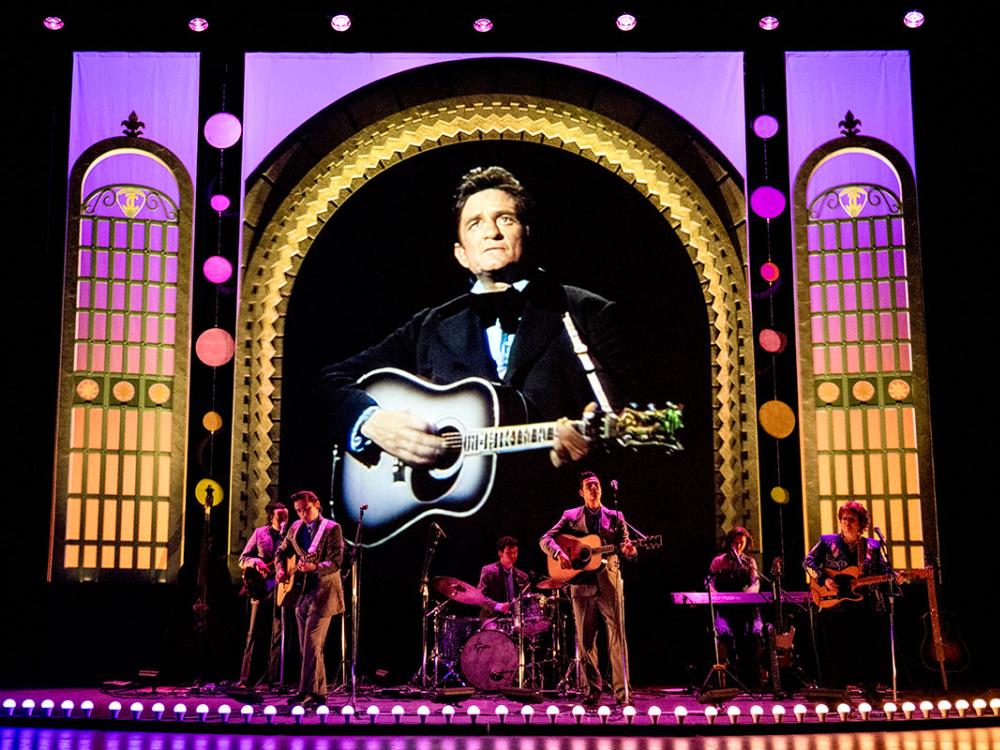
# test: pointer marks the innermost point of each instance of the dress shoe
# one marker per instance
(313, 700)
(297, 699)
(593, 698)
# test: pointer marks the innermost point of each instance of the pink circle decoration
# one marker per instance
(217, 269)
(223, 130)
(215, 347)
(770, 272)
(482, 25)
(767, 202)
(340, 22)
(218, 202)
(53, 23)
(769, 23)
(198, 24)
(772, 341)
(765, 126)
(914, 19)
(626, 22)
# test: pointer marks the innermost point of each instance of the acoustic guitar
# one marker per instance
(588, 553)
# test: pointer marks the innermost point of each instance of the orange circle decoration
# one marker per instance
(777, 419)
(212, 421)
(780, 495)
(772, 341)
(215, 347)
(863, 391)
(828, 392)
(88, 389)
(123, 391)
(899, 389)
(159, 393)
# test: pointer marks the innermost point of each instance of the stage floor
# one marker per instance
(661, 712)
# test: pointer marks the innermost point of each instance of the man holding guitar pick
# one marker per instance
(596, 590)
(845, 569)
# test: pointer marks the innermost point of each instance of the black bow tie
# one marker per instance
(505, 306)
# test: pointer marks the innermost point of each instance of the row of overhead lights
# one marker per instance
(625, 22)
(502, 712)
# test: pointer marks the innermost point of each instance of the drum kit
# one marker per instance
(523, 649)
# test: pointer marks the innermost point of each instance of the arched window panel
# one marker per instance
(118, 501)
(863, 384)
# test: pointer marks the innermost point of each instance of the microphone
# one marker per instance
(438, 530)
(878, 533)
(364, 506)
(614, 485)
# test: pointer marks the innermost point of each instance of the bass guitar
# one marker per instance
(467, 414)
(848, 581)
(588, 553)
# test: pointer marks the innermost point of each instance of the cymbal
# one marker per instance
(550, 583)
(458, 590)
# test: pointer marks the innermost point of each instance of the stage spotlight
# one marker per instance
(865, 709)
(10, 705)
(448, 712)
(397, 713)
(114, 708)
(47, 705)
(340, 22)
(482, 25)
(800, 712)
(198, 24)
(527, 712)
(158, 709)
(297, 713)
(553, 713)
(347, 712)
(961, 705)
(323, 712)
(67, 707)
(578, 713)
(88, 708)
(269, 713)
(925, 709)
(473, 713)
(944, 707)
(733, 712)
(604, 712)
(711, 714)
(202, 710)
(53, 23)
(979, 705)
(890, 710)
(629, 713)
(914, 19)
(422, 713)
(224, 711)
(778, 712)
(769, 23)
(501, 712)
(626, 22)
(28, 705)
(756, 711)
(247, 713)
(372, 712)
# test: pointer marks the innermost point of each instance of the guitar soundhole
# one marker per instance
(453, 450)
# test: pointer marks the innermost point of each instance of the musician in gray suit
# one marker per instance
(318, 544)
(596, 593)
(501, 581)
(265, 623)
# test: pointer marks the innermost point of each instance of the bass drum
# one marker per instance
(489, 660)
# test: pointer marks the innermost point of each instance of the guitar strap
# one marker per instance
(314, 544)
(582, 353)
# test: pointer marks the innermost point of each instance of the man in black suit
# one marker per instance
(596, 594)
(318, 544)
(501, 581)
(508, 329)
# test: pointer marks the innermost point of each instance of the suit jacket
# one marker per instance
(493, 585)
(260, 546)
(613, 530)
(448, 343)
(329, 551)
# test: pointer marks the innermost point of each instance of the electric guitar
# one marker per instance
(587, 553)
(848, 582)
(467, 414)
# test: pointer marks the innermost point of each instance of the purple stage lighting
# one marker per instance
(626, 22)
(223, 130)
(219, 202)
(198, 24)
(914, 19)
(769, 23)
(482, 25)
(340, 22)
(217, 269)
(53, 23)
(765, 126)
(767, 202)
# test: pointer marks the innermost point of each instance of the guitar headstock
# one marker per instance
(633, 427)
(649, 542)
(777, 567)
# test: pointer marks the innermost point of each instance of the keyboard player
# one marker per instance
(741, 639)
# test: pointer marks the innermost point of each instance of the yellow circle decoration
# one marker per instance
(208, 491)
(159, 393)
(780, 495)
(88, 389)
(123, 391)
(899, 389)
(777, 419)
(212, 421)
(863, 391)
(828, 392)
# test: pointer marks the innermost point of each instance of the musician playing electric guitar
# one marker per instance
(853, 634)
(257, 563)
(596, 593)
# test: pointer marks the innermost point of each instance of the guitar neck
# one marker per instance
(510, 438)
(872, 580)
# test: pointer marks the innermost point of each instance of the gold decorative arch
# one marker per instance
(274, 262)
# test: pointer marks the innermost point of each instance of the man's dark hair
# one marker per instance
(493, 178)
(273, 506)
(738, 531)
(585, 475)
(506, 541)
(305, 495)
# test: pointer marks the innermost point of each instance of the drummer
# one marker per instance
(501, 582)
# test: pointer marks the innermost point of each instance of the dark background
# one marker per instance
(62, 634)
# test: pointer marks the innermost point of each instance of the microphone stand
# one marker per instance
(356, 603)
(620, 596)
(433, 538)
(893, 592)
